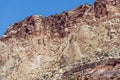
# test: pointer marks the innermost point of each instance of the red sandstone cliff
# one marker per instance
(81, 44)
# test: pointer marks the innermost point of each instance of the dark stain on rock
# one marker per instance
(100, 8)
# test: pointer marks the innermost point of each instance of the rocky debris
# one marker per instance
(83, 43)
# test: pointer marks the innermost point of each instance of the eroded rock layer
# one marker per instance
(104, 70)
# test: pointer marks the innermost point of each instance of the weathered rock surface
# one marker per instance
(102, 70)
(81, 44)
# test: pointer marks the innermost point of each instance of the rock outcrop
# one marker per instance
(102, 70)
(80, 44)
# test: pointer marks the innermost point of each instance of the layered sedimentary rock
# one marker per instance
(103, 70)
(80, 44)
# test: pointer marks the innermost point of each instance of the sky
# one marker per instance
(12, 11)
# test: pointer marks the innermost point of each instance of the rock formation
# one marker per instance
(80, 44)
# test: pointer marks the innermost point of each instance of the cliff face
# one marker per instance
(81, 44)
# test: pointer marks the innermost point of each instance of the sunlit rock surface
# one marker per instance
(81, 44)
